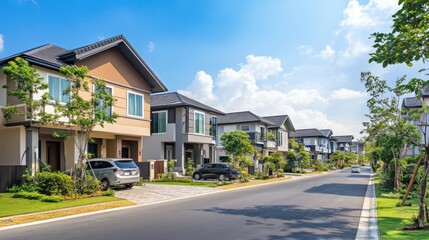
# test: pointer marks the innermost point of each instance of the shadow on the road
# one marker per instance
(298, 223)
(356, 175)
(342, 189)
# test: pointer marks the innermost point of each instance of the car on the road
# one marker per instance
(355, 169)
(115, 172)
(220, 171)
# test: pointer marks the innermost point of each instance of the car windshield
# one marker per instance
(355, 166)
(126, 164)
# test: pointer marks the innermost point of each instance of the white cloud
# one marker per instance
(328, 53)
(305, 49)
(357, 15)
(1, 43)
(343, 94)
(241, 90)
(151, 46)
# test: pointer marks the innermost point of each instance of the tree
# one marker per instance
(406, 43)
(238, 144)
(297, 156)
(86, 109)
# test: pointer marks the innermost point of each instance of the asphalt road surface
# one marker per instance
(322, 207)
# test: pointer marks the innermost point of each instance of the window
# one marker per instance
(101, 104)
(213, 124)
(199, 122)
(159, 122)
(135, 104)
(57, 86)
(280, 139)
(245, 128)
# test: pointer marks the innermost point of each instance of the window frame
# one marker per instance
(113, 95)
(248, 125)
(59, 85)
(166, 122)
(128, 102)
(204, 122)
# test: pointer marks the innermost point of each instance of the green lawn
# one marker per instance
(15, 206)
(196, 184)
(392, 219)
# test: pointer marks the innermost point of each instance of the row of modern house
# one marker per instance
(152, 124)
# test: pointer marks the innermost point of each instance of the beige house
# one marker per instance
(130, 81)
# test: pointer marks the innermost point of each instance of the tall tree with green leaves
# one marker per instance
(87, 108)
(297, 156)
(237, 143)
(407, 43)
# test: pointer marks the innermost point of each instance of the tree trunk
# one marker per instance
(396, 180)
(410, 185)
(422, 204)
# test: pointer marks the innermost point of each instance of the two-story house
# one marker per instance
(129, 79)
(319, 142)
(281, 128)
(407, 104)
(181, 128)
(268, 134)
(344, 143)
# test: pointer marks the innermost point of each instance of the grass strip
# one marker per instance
(20, 219)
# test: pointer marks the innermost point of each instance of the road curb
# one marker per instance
(368, 224)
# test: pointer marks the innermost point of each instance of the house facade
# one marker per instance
(181, 128)
(268, 134)
(320, 143)
(344, 143)
(128, 78)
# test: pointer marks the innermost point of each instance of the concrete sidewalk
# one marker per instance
(152, 193)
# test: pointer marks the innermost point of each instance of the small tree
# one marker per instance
(237, 143)
(189, 167)
(298, 155)
(85, 110)
(276, 160)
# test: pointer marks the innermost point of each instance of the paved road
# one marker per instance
(322, 207)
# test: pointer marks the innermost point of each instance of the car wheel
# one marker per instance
(131, 185)
(197, 176)
(105, 184)
(221, 177)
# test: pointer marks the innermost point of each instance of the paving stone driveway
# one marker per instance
(151, 193)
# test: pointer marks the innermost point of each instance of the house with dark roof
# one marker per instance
(181, 128)
(408, 104)
(268, 134)
(344, 143)
(358, 147)
(320, 143)
(129, 79)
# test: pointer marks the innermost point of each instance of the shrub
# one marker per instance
(23, 188)
(244, 177)
(171, 178)
(189, 167)
(92, 186)
(52, 199)
(391, 195)
(140, 183)
(44, 167)
(280, 173)
(54, 183)
(28, 195)
(109, 193)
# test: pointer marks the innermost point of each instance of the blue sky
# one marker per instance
(301, 58)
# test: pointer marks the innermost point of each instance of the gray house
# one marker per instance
(181, 128)
(320, 143)
(268, 134)
(344, 143)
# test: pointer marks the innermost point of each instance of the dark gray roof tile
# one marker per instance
(175, 99)
(242, 117)
(310, 132)
(344, 138)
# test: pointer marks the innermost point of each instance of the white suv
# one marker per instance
(115, 172)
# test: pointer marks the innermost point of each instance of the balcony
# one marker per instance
(270, 144)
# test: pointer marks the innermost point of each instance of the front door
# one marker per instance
(190, 154)
(125, 152)
(53, 155)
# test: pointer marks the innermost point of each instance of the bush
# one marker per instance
(54, 183)
(280, 173)
(189, 167)
(52, 199)
(244, 177)
(28, 195)
(391, 195)
(109, 193)
(93, 185)
(169, 177)
(23, 188)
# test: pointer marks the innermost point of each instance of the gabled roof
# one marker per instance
(411, 102)
(175, 99)
(327, 132)
(310, 132)
(344, 138)
(242, 117)
(53, 57)
(279, 120)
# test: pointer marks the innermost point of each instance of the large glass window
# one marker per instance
(57, 86)
(135, 104)
(159, 122)
(199, 122)
(101, 104)
(213, 125)
(245, 128)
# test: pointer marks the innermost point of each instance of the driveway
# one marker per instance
(152, 193)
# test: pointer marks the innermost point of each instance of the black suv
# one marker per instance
(220, 171)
